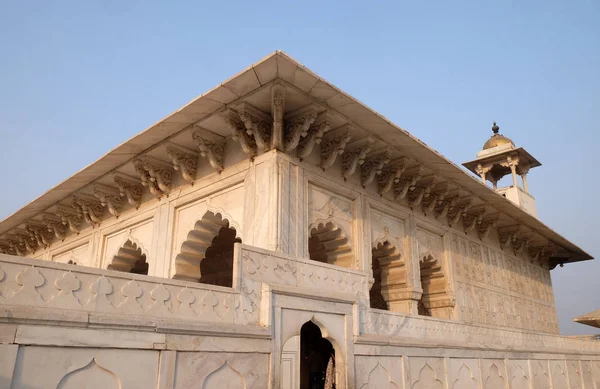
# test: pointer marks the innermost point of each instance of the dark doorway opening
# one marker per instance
(317, 359)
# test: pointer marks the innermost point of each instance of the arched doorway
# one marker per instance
(317, 359)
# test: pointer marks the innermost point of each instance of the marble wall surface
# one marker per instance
(65, 325)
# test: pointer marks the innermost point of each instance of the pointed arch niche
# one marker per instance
(206, 255)
(389, 274)
(129, 259)
(328, 244)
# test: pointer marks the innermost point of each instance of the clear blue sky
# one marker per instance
(78, 78)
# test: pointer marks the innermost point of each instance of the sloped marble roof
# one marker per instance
(279, 65)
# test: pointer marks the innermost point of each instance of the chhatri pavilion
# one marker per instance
(277, 233)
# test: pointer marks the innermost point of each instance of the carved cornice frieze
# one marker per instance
(472, 217)
(109, 197)
(334, 145)
(239, 133)
(258, 124)
(390, 175)
(373, 166)
(70, 217)
(154, 174)
(314, 136)
(183, 160)
(55, 225)
(407, 180)
(485, 225)
(297, 124)
(417, 192)
(211, 146)
(355, 156)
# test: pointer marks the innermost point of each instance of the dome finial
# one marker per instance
(495, 128)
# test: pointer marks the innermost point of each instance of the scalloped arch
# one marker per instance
(195, 248)
(225, 216)
(329, 243)
(126, 237)
(323, 222)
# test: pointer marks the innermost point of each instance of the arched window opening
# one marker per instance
(129, 259)
(207, 254)
(432, 282)
(217, 266)
(317, 359)
(389, 275)
(328, 244)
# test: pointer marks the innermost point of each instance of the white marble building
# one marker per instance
(275, 225)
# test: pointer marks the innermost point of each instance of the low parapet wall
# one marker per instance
(64, 325)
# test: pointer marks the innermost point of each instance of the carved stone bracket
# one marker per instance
(90, 208)
(409, 179)
(183, 160)
(129, 188)
(238, 132)
(540, 252)
(443, 206)
(297, 124)
(373, 166)
(520, 242)
(154, 174)
(473, 217)
(70, 217)
(333, 146)
(355, 156)
(26, 240)
(212, 147)
(55, 225)
(391, 174)
(12, 246)
(420, 189)
(458, 209)
(506, 235)
(258, 124)
(314, 136)
(485, 225)
(39, 233)
(109, 197)
(435, 197)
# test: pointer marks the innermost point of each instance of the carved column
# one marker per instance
(277, 110)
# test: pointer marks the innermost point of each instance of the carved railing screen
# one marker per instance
(27, 283)
(41, 284)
